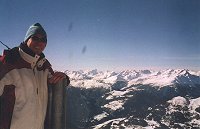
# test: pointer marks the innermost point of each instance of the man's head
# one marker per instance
(36, 38)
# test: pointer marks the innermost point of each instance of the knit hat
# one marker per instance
(35, 29)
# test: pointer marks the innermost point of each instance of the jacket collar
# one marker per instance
(27, 54)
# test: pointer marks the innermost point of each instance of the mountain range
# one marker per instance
(157, 78)
(148, 99)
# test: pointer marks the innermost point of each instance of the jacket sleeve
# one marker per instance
(5, 77)
(51, 72)
(2, 74)
(7, 95)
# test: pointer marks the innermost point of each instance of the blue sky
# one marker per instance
(109, 34)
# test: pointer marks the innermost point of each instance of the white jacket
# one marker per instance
(28, 75)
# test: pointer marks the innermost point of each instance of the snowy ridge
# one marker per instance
(132, 77)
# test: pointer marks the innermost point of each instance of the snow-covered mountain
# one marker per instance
(148, 99)
(132, 77)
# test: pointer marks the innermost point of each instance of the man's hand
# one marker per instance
(57, 76)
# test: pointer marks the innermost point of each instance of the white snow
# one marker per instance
(116, 93)
(100, 126)
(152, 124)
(132, 77)
(196, 123)
(178, 101)
(101, 116)
(114, 105)
(194, 103)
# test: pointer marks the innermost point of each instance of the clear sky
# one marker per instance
(109, 34)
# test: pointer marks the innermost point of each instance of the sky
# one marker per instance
(109, 34)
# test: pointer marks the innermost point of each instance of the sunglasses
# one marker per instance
(37, 39)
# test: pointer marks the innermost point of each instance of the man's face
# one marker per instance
(37, 43)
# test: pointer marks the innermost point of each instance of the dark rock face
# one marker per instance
(82, 105)
(134, 106)
(119, 85)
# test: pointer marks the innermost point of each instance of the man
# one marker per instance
(24, 74)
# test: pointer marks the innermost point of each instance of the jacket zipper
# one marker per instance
(35, 81)
(37, 97)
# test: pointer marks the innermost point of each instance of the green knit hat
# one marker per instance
(35, 29)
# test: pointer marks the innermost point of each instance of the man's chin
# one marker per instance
(37, 52)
